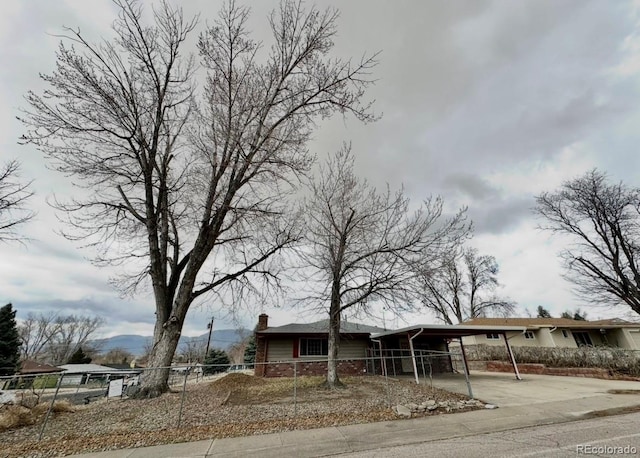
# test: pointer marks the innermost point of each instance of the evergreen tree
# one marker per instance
(578, 315)
(79, 357)
(250, 351)
(216, 361)
(9, 341)
(543, 312)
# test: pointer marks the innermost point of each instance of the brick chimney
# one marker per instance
(261, 346)
(263, 322)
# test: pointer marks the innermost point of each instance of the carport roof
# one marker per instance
(450, 330)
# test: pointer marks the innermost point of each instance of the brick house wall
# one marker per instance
(286, 369)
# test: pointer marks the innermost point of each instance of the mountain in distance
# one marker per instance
(135, 344)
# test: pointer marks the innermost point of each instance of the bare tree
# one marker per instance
(601, 221)
(72, 332)
(147, 349)
(36, 331)
(363, 246)
(55, 338)
(115, 356)
(13, 197)
(192, 184)
(193, 350)
(463, 287)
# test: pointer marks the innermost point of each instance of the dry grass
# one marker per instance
(17, 416)
(246, 389)
(234, 405)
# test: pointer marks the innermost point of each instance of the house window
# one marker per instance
(565, 333)
(314, 347)
(529, 335)
(582, 339)
(493, 336)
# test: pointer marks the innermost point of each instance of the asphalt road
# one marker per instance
(613, 436)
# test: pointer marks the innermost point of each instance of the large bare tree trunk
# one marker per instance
(155, 380)
(333, 381)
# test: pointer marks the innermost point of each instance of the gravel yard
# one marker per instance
(234, 405)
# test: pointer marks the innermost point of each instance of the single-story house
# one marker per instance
(303, 348)
(29, 367)
(77, 374)
(306, 345)
(30, 372)
(559, 332)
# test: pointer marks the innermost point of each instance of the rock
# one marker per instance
(413, 407)
(7, 398)
(490, 406)
(402, 411)
(433, 407)
(430, 402)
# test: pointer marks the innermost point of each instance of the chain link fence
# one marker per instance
(205, 394)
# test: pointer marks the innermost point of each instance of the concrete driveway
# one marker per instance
(504, 390)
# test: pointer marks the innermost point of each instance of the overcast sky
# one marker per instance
(486, 103)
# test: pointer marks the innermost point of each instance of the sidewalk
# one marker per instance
(343, 439)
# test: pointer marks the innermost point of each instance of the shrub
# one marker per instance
(16, 416)
(20, 415)
(610, 358)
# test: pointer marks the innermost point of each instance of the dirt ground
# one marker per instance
(234, 405)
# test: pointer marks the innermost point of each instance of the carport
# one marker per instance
(431, 334)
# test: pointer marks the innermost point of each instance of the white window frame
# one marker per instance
(306, 340)
(492, 336)
(529, 335)
(565, 333)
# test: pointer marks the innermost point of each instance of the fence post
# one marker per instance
(46, 418)
(386, 382)
(295, 388)
(184, 389)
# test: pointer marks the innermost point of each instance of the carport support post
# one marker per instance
(465, 366)
(511, 357)
(383, 361)
(413, 356)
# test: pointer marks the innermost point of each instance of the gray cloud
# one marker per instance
(500, 216)
(469, 90)
(469, 185)
(490, 210)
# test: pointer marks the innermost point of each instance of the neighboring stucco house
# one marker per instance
(559, 332)
(307, 345)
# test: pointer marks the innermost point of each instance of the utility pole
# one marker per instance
(210, 328)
